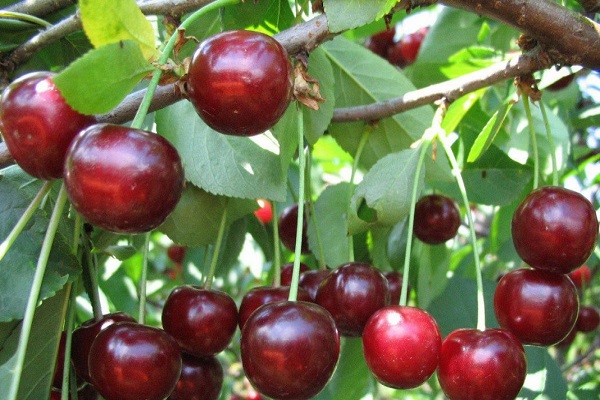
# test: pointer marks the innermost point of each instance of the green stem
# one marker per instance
(145, 104)
(361, 146)
(216, 249)
(550, 143)
(24, 17)
(536, 158)
(20, 225)
(463, 192)
(34, 294)
(311, 212)
(276, 247)
(302, 166)
(69, 324)
(144, 280)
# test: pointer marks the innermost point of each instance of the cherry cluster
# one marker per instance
(400, 53)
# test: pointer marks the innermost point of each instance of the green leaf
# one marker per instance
(269, 17)
(18, 266)
(544, 377)
(430, 265)
(348, 14)
(40, 356)
(221, 164)
(488, 134)
(111, 21)
(387, 189)
(120, 252)
(468, 60)
(459, 108)
(206, 210)
(100, 79)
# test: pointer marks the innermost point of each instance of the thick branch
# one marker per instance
(39, 8)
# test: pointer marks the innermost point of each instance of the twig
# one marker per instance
(39, 8)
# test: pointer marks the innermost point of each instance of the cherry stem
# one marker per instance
(550, 144)
(216, 250)
(144, 280)
(20, 225)
(463, 192)
(361, 146)
(276, 247)
(69, 324)
(24, 17)
(34, 293)
(293, 296)
(536, 158)
(311, 212)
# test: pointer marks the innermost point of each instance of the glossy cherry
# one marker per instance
(588, 319)
(555, 229)
(287, 271)
(482, 365)
(437, 219)
(176, 253)
(411, 44)
(289, 349)
(401, 346)
(394, 279)
(310, 281)
(84, 336)
(202, 321)
(352, 293)
(539, 307)
(568, 340)
(122, 179)
(261, 295)
(288, 221)
(265, 211)
(240, 82)
(38, 125)
(581, 276)
(201, 379)
(381, 41)
(129, 361)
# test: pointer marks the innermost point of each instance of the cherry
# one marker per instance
(176, 253)
(86, 392)
(129, 361)
(555, 229)
(289, 349)
(202, 321)
(394, 55)
(287, 271)
(310, 281)
(352, 293)
(437, 219)
(84, 336)
(122, 179)
(261, 295)
(38, 125)
(561, 83)
(568, 340)
(482, 365)
(401, 346)
(201, 379)
(265, 212)
(240, 82)
(411, 43)
(288, 221)
(380, 42)
(581, 276)
(539, 307)
(394, 279)
(588, 319)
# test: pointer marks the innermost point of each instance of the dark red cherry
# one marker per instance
(84, 336)
(394, 55)
(555, 229)
(352, 293)
(176, 253)
(57, 379)
(38, 125)
(482, 365)
(411, 44)
(288, 221)
(122, 179)
(129, 361)
(202, 321)
(381, 41)
(289, 349)
(310, 281)
(394, 279)
(240, 82)
(588, 319)
(567, 341)
(261, 295)
(539, 307)
(265, 211)
(401, 346)
(562, 83)
(201, 379)
(437, 219)
(581, 276)
(287, 271)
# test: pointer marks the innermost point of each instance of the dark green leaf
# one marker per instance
(348, 14)
(431, 265)
(269, 16)
(544, 377)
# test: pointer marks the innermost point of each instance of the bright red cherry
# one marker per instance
(437, 219)
(401, 346)
(287, 271)
(265, 212)
(84, 336)
(240, 82)
(310, 281)
(38, 125)
(588, 319)
(289, 349)
(201, 379)
(352, 293)
(261, 295)
(581, 276)
(129, 361)
(202, 321)
(555, 229)
(288, 221)
(482, 365)
(394, 279)
(122, 179)
(380, 42)
(538, 307)
(176, 253)
(411, 44)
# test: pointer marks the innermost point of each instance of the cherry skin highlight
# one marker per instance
(261, 295)
(437, 219)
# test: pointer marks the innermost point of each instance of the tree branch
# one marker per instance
(39, 8)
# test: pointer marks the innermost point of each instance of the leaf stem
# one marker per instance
(311, 212)
(20, 225)
(69, 324)
(24, 17)
(276, 247)
(536, 158)
(550, 143)
(144, 280)
(216, 249)
(34, 293)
